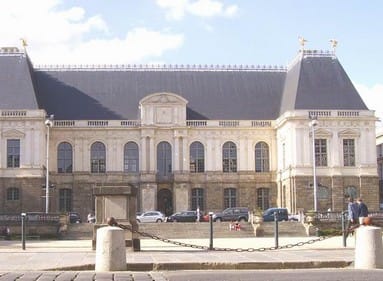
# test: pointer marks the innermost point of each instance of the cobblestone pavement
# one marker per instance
(81, 276)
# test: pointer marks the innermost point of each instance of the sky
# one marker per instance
(223, 32)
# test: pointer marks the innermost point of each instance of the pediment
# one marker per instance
(164, 98)
(322, 133)
(349, 133)
(13, 133)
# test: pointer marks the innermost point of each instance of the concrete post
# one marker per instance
(368, 248)
(110, 249)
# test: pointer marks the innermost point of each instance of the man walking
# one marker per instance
(352, 217)
(362, 211)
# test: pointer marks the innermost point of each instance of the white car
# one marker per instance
(151, 216)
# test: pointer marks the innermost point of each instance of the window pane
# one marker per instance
(13, 194)
(164, 159)
(64, 158)
(261, 157)
(197, 199)
(65, 200)
(348, 152)
(230, 197)
(13, 153)
(197, 158)
(98, 158)
(263, 198)
(131, 157)
(229, 157)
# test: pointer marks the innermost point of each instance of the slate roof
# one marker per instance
(312, 82)
(16, 87)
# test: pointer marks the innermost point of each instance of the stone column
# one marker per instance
(110, 249)
(368, 248)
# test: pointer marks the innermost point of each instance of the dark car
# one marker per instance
(240, 214)
(185, 216)
(282, 214)
(74, 217)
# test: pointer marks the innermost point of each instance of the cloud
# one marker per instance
(373, 98)
(176, 10)
(69, 36)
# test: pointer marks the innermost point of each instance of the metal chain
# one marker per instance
(262, 249)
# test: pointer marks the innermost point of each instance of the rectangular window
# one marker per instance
(348, 152)
(230, 198)
(320, 152)
(13, 194)
(65, 200)
(197, 199)
(263, 198)
(13, 153)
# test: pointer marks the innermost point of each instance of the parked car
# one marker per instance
(185, 216)
(74, 217)
(240, 214)
(151, 216)
(282, 213)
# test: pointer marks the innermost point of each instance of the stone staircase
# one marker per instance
(285, 229)
(83, 231)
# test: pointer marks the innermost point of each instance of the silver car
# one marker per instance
(151, 216)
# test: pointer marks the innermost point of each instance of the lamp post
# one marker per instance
(313, 124)
(48, 124)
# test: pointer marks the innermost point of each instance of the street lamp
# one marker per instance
(48, 124)
(313, 124)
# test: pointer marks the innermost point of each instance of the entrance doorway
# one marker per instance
(165, 201)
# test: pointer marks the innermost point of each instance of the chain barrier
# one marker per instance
(262, 249)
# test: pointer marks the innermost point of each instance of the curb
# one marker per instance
(217, 266)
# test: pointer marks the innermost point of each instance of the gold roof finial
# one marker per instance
(302, 42)
(23, 42)
(334, 43)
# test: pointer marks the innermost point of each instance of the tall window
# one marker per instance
(64, 158)
(98, 157)
(197, 157)
(348, 152)
(65, 200)
(262, 157)
(131, 157)
(197, 199)
(229, 157)
(13, 194)
(13, 153)
(164, 159)
(229, 197)
(263, 198)
(320, 152)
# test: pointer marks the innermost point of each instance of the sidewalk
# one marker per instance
(77, 255)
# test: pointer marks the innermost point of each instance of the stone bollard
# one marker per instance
(368, 248)
(110, 249)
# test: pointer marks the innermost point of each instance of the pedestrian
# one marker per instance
(352, 216)
(362, 211)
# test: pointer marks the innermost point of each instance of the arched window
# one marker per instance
(197, 199)
(229, 197)
(65, 200)
(197, 158)
(229, 157)
(98, 157)
(131, 157)
(164, 159)
(263, 198)
(13, 194)
(64, 158)
(262, 157)
(351, 191)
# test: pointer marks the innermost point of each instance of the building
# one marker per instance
(186, 136)
(379, 153)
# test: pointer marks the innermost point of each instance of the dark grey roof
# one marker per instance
(314, 81)
(16, 87)
(319, 82)
(111, 94)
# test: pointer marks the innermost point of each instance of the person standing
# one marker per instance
(362, 211)
(352, 216)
